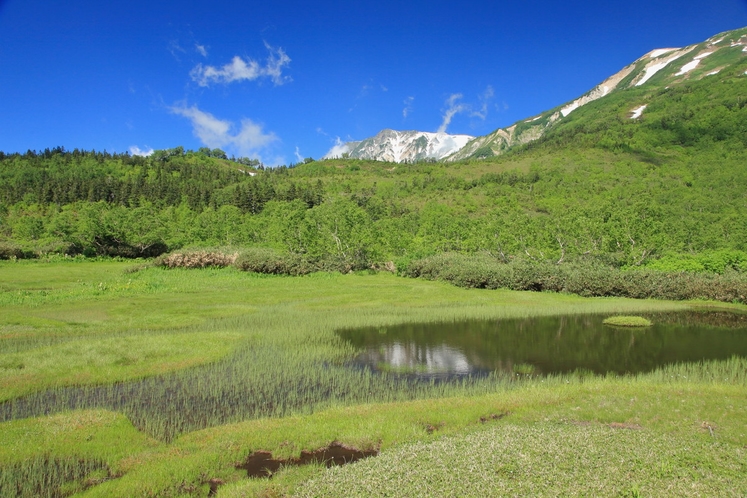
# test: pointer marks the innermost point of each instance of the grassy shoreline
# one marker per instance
(286, 325)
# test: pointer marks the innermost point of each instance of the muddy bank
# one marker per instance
(261, 463)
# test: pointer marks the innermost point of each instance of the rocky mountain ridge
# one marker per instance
(403, 146)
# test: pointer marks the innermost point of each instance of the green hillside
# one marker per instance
(603, 186)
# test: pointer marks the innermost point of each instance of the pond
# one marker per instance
(550, 345)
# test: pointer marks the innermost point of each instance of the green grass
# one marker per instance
(627, 321)
(219, 363)
(597, 437)
(110, 359)
(544, 459)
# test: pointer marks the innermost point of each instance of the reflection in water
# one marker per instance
(411, 357)
(550, 344)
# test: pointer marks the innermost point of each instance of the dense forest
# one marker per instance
(665, 191)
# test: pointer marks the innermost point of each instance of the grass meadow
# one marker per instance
(118, 380)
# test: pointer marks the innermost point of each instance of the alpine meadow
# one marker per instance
(180, 324)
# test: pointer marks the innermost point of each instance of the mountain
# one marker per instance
(402, 146)
(719, 56)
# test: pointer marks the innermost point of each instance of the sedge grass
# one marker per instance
(551, 413)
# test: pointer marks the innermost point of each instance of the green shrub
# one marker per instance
(708, 261)
(9, 250)
(582, 278)
(197, 259)
(269, 261)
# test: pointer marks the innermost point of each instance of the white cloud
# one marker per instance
(248, 139)
(337, 150)
(136, 151)
(408, 106)
(239, 69)
(299, 157)
(175, 49)
(485, 99)
(365, 89)
(201, 49)
(454, 107)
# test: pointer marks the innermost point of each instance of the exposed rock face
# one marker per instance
(403, 146)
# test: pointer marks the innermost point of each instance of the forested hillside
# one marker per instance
(665, 189)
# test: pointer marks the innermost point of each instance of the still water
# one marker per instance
(549, 345)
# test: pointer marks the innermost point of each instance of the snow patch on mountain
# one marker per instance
(654, 67)
(693, 64)
(637, 112)
(659, 52)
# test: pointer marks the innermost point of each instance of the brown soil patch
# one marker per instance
(215, 483)
(707, 426)
(621, 425)
(261, 463)
(581, 423)
(430, 428)
(494, 416)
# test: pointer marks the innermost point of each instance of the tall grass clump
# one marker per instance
(49, 477)
(261, 380)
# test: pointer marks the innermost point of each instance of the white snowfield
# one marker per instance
(638, 111)
(653, 68)
(659, 52)
(692, 64)
(401, 146)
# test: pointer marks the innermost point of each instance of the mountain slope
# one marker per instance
(721, 56)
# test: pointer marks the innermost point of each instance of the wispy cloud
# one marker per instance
(408, 106)
(175, 49)
(247, 139)
(137, 151)
(454, 106)
(370, 88)
(201, 49)
(485, 99)
(338, 149)
(299, 157)
(245, 69)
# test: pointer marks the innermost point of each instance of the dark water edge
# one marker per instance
(550, 345)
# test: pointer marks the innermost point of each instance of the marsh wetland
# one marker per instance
(178, 382)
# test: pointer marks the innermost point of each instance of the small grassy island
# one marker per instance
(627, 321)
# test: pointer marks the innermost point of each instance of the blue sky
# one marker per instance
(284, 80)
